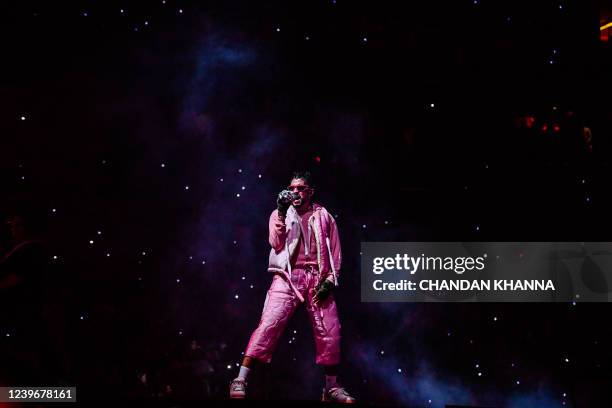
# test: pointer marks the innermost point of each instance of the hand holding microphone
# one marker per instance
(284, 200)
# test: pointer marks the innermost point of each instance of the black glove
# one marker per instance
(323, 290)
(283, 201)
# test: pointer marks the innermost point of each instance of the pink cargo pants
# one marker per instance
(279, 306)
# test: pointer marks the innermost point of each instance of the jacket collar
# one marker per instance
(294, 216)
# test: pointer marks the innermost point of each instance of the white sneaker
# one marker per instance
(237, 388)
(337, 394)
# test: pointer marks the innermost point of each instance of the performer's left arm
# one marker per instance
(334, 241)
(325, 287)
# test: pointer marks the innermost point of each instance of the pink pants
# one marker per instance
(278, 308)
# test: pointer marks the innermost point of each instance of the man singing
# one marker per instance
(305, 259)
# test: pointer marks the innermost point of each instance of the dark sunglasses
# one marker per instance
(298, 188)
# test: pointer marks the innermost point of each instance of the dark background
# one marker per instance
(126, 138)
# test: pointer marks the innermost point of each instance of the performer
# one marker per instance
(305, 259)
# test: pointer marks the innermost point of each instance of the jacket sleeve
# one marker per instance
(277, 231)
(334, 243)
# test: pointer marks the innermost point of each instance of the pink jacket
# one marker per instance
(284, 238)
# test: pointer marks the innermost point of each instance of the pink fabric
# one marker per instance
(284, 236)
(280, 305)
(277, 231)
(301, 258)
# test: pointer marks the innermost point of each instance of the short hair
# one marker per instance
(304, 175)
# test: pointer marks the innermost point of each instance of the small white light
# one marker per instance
(235, 296)
(252, 286)
(54, 256)
(259, 176)
(243, 188)
(432, 105)
(399, 370)
(107, 254)
(143, 253)
(243, 278)
(180, 11)
(186, 187)
(517, 382)
(53, 210)
(238, 195)
(178, 281)
(163, 165)
(23, 118)
(480, 374)
(229, 366)
(99, 232)
(239, 170)
(277, 29)
(146, 23)
(91, 241)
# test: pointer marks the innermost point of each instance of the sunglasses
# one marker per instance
(298, 188)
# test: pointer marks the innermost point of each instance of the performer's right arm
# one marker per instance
(278, 231)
